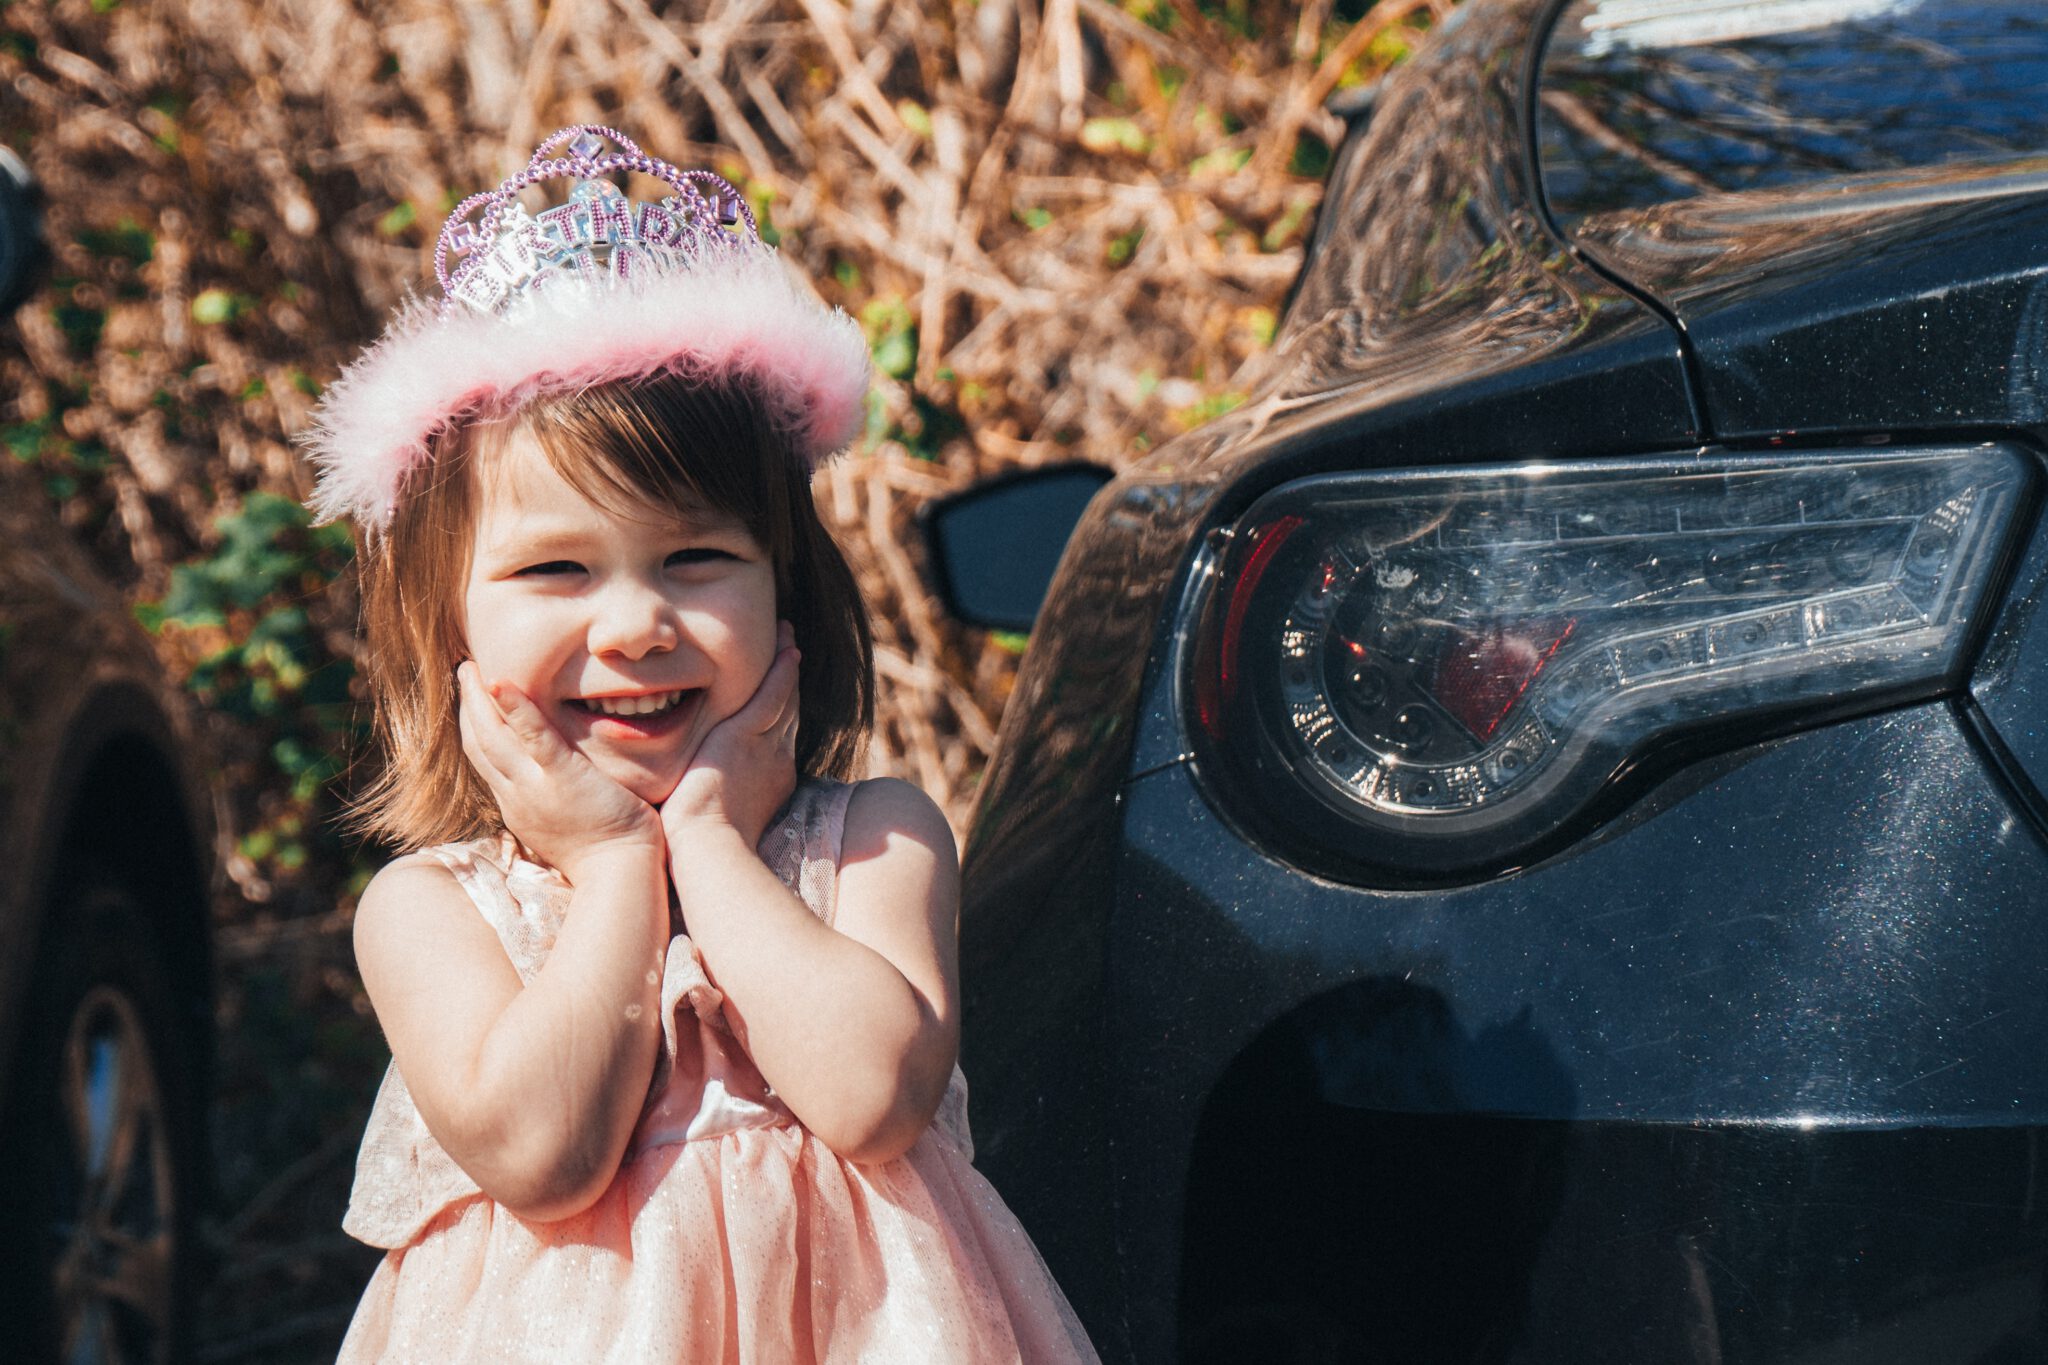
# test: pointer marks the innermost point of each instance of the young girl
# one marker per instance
(672, 1009)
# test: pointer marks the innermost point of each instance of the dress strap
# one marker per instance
(521, 900)
(802, 848)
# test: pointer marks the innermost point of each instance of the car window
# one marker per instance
(1647, 101)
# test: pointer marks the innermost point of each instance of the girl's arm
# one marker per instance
(855, 1025)
(534, 1090)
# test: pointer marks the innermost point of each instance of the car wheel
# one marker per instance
(100, 1132)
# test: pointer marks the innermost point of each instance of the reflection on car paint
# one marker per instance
(1890, 288)
(1830, 90)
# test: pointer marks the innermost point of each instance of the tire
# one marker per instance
(101, 1140)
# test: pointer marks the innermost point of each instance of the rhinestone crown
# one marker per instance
(598, 235)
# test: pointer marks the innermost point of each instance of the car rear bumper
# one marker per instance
(1780, 1031)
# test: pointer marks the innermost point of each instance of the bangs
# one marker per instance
(675, 445)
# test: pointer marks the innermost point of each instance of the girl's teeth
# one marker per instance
(633, 706)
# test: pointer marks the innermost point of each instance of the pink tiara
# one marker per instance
(591, 291)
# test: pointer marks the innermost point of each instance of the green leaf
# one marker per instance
(212, 307)
(89, 457)
(127, 240)
(1154, 13)
(1104, 135)
(1207, 409)
(1285, 226)
(255, 560)
(892, 335)
(1264, 324)
(81, 326)
(876, 425)
(192, 600)
(1222, 161)
(1311, 157)
(398, 219)
(25, 440)
(896, 354)
(1390, 47)
(914, 117)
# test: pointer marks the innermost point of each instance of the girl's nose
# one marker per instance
(634, 621)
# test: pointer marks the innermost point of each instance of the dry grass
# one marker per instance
(1066, 227)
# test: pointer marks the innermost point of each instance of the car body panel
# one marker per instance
(1781, 960)
(1707, 962)
(1773, 946)
(1642, 105)
(1841, 206)
(2011, 683)
(1890, 304)
(77, 680)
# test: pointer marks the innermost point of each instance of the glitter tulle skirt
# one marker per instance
(755, 1246)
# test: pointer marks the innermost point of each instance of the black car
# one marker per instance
(1526, 840)
(106, 866)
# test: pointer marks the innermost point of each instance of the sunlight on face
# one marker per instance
(633, 634)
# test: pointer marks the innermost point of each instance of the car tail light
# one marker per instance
(1456, 666)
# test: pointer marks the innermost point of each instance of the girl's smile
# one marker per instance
(634, 630)
(644, 707)
(648, 716)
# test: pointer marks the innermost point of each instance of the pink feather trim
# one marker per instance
(734, 316)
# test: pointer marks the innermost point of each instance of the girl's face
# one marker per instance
(634, 634)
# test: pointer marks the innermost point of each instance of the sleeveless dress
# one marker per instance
(730, 1234)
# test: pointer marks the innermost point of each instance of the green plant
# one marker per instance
(254, 656)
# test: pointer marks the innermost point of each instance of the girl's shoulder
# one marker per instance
(415, 908)
(831, 826)
(499, 850)
(437, 870)
(479, 891)
(881, 808)
(402, 882)
(897, 855)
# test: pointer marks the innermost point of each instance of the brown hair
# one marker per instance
(671, 442)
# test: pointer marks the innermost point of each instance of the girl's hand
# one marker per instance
(745, 769)
(553, 799)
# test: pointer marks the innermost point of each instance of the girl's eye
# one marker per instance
(698, 554)
(549, 568)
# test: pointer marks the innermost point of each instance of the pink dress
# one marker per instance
(730, 1234)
